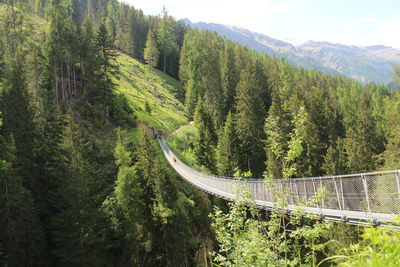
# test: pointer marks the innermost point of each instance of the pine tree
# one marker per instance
(18, 123)
(249, 119)
(295, 146)
(139, 27)
(151, 52)
(21, 239)
(166, 38)
(391, 155)
(227, 154)
(124, 31)
(229, 77)
(335, 159)
(184, 60)
(61, 55)
(277, 128)
(191, 69)
(211, 80)
(310, 162)
(89, 59)
(200, 73)
(359, 154)
(362, 142)
(111, 18)
(128, 207)
(75, 226)
(205, 139)
(106, 68)
(159, 195)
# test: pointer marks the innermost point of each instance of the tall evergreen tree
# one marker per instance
(311, 159)
(89, 59)
(21, 238)
(159, 196)
(359, 154)
(111, 18)
(249, 119)
(227, 152)
(229, 77)
(362, 142)
(18, 119)
(166, 38)
(211, 80)
(391, 154)
(106, 67)
(127, 206)
(277, 128)
(151, 52)
(61, 54)
(205, 139)
(75, 226)
(335, 161)
(191, 68)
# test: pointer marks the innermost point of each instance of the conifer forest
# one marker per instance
(83, 181)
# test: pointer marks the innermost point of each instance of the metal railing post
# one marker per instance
(297, 192)
(305, 189)
(291, 191)
(323, 203)
(366, 193)
(341, 188)
(315, 190)
(337, 195)
(282, 190)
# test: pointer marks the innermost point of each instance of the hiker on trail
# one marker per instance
(174, 159)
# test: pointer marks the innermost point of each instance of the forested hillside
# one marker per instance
(82, 182)
(338, 125)
(363, 64)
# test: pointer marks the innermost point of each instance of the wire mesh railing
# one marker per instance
(355, 198)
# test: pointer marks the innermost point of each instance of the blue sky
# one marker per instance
(355, 22)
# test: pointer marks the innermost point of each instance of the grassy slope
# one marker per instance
(140, 85)
(136, 82)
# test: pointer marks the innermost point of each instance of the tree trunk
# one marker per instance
(56, 85)
(165, 63)
(73, 69)
(62, 83)
(69, 83)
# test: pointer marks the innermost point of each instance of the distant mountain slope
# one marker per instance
(365, 64)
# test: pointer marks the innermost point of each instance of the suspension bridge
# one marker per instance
(361, 199)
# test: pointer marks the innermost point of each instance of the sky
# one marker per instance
(351, 22)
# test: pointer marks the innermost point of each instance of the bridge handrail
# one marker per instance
(359, 197)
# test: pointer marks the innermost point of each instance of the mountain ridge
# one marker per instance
(363, 63)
